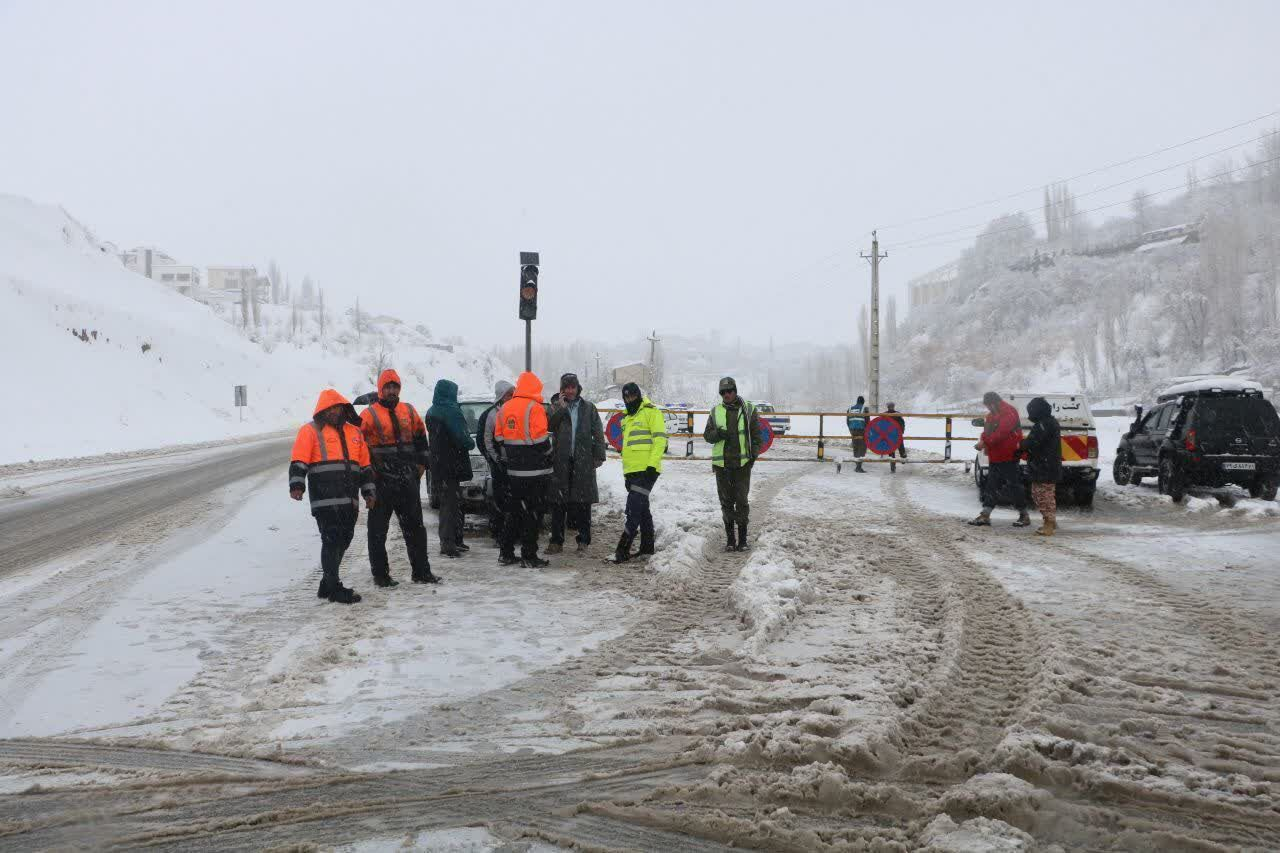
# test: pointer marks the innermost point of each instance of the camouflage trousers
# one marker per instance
(1045, 498)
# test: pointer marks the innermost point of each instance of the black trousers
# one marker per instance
(1004, 479)
(404, 500)
(638, 516)
(733, 486)
(859, 440)
(501, 495)
(527, 497)
(451, 514)
(578, 516)
(337, 527)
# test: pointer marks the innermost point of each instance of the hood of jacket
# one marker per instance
(389, 375)
(330, 398)
(1038, 409)
(529, 387)
(446, 393)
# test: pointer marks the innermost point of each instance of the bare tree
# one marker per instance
(321, 292)
(245, 284)
(1139, 207)
(273, 273)
(379, 360)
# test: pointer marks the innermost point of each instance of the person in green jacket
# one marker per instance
(450, 450)
(734, 431)
(644, 440)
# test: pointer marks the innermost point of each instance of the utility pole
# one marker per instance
(653, 364)
(873, 368)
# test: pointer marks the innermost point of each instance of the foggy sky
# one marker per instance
(680, 166)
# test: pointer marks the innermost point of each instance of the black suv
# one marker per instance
(1207, 437)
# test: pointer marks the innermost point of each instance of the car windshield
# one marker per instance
(472, 412)
(765, 407)
(1255, 416)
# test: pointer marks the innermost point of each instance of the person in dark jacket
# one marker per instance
(1043, 447)
(733, 430)
(502, 391)
(451, 446)
(397, 442)
(577, 451)
(891, 412)
(331, 460)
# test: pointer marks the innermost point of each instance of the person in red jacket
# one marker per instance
(1001, 436)
(331, 461)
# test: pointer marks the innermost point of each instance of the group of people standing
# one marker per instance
(856, 419)
(539, 454)
(1005, 445)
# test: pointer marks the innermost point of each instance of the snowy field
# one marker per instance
(873, 672)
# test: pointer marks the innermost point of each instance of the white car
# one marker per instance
(1079, 446)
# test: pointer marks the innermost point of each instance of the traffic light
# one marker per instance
(528, 285)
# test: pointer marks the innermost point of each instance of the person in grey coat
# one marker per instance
(577, 452)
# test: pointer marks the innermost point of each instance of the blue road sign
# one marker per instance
(884, 436)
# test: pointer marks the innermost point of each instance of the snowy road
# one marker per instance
(53, 511)
(873, 675)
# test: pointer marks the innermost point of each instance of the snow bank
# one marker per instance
(1211, 383)
(768, 593)
(131, 364)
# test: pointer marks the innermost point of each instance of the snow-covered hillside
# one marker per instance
(100, 359)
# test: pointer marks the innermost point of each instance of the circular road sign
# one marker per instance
(613, 431)
(766, 429)
(884, 436)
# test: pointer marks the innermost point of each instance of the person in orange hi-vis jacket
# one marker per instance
(524, 444)
(397, 439)
(331, 460)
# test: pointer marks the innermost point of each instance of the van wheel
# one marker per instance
(1170, 480)
(1084, 497)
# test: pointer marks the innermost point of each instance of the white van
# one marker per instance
(1079, 446)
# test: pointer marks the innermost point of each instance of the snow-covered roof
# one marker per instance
(1211, 383)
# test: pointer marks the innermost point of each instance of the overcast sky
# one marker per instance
(680, 166)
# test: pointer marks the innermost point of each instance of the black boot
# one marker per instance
(646, 544)
(339, 594)
(742, 537)
(623, 552)
(730, 543)
(534, 562)
(425, 576)
(507, 559)
(858, 469)
(385, 581)
(462, 546)
(323, 591)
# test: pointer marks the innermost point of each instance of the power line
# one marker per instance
(1090, 210)
(1196, 159)
(1087, 174)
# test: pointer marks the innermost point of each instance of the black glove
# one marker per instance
(651, 472)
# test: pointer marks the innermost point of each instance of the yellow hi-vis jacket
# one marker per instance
(644, 438)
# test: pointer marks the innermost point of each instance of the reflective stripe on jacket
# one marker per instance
(644, 439)
(520, 431)
(746, 434)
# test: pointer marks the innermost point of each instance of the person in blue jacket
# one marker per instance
(450, 454)
(857, 421)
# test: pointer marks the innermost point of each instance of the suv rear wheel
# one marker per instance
(1171, 481)
(1122, 470)
(1263, 487)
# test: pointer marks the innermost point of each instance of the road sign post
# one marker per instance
(242, 399)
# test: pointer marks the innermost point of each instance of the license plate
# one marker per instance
(1239, 466)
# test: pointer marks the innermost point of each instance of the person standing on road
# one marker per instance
(891, 412)
(451, 446)
(330, 458)
(1043, 446)
(644, 440)
(397, 442)
(857, 422)
(1001, 435)
(733, 430)
(502, 391)
(524, 444)
(578, 450)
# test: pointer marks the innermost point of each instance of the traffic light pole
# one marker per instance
(528, 302)
(528, 346)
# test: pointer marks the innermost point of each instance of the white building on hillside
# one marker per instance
(932, 287)
(183, 278)
(230, 278)
(144, 259)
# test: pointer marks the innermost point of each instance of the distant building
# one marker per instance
(636, 371)
(932, 287)
(230, 278)
(183, 278)
(144, 259)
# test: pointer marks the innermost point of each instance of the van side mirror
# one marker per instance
(1137, 413)
(978, 422)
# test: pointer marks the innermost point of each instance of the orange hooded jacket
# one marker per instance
(332, 462)
(396, 437)
(520, 431)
